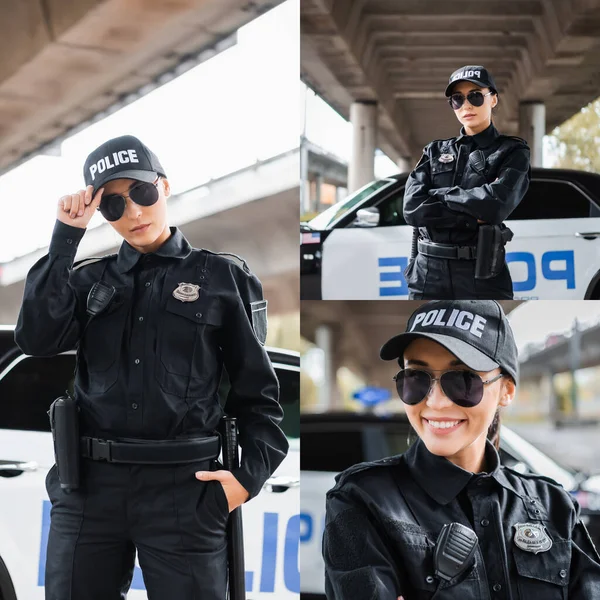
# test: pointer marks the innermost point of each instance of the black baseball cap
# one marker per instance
(475, 74)
(477, 332)
(123, 157)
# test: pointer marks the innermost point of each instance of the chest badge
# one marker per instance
(446, 158)
(532, 537)
(186, 292)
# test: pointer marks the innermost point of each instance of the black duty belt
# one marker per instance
(449, 251)
(151, 452)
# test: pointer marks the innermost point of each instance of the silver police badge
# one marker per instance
(446, 158)
(532, 537)
(186, 292)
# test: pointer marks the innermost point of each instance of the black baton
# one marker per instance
(235, 530)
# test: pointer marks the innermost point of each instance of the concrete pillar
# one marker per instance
(363, 116)
(304, 183)
(405, 165)
(324, 340)
(532, 127)
(318, 189)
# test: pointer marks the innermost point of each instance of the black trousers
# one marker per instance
(441, 279)
(176, 522)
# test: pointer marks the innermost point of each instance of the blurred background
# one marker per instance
(200, 83)
(350, 410)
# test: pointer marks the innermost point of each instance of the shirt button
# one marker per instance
(147, 284)
(137, 361)
(69, 241)
(484, 522)
(429, 579)
(198, 315)
(134, 406)
(497, 587)
(140, 319)
(563, 573)
(537, 511)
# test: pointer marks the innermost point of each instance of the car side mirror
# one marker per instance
(367, 217)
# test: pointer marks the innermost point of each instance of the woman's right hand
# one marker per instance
(78, 209)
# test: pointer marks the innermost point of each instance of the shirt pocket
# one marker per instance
(442, 174)
(101, 344)
(417, 565)
(545, 574)
(187, 354)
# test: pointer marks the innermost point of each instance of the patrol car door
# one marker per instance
(365, 262)
(555, 253)
(27, 388)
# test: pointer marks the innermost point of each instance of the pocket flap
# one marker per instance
(551, 566)
(203, 310)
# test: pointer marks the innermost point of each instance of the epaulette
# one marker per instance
(341, 478)
(536, 477)
(91, 260)
(234, 258)
(516, 138)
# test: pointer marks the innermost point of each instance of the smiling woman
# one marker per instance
(446, 518)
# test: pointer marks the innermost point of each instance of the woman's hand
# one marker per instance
(78, 209)
(235, 492)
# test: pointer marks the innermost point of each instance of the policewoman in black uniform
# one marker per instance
(459, 194)
(152, 339)
(444, 520)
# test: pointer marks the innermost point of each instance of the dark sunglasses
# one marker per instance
(112, 206)
(474, 98)
(464, 388)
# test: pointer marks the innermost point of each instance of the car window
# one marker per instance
(29, 388)
(552, 199)
(338, 210)
(391, 209)
(335, 447)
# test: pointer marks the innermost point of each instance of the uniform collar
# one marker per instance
(482, 139)
(442, 479)
(176, 246)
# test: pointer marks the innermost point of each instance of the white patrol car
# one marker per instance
(28, 386)
(333, 441)
(358, 248)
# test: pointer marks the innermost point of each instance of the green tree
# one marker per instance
(575, 143)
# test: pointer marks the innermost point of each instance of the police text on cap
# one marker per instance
(461, 319)
(120, 158)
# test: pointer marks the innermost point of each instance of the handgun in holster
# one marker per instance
(490, 250)
(235, 531)
(64, 422)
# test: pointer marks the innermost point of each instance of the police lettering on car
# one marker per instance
(154, 326)
(445, 519)
(459, 194)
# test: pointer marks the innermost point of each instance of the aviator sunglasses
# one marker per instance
(464, 388)
(112, 206)
(474, 98)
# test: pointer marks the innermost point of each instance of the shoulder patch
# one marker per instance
(91, 260)
(234, 258)
(342, 477)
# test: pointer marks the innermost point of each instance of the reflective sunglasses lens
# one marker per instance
(412, 385)
(112, 207)
(464, 388)
(144, 194)
(475, 99)
(456, 101)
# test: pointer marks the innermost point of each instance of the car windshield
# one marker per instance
(333, 213)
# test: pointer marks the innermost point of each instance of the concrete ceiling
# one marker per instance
(360, 328)
(64, 61)
(401, 53)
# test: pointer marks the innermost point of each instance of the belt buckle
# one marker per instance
(101, 450)
(463, 252)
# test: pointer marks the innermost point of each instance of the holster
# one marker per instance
(490, 250)
(64, 422)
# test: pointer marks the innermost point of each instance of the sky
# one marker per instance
(223, 115)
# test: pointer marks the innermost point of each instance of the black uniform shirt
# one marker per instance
(384, 517)
(149, 366)
(485, 176)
